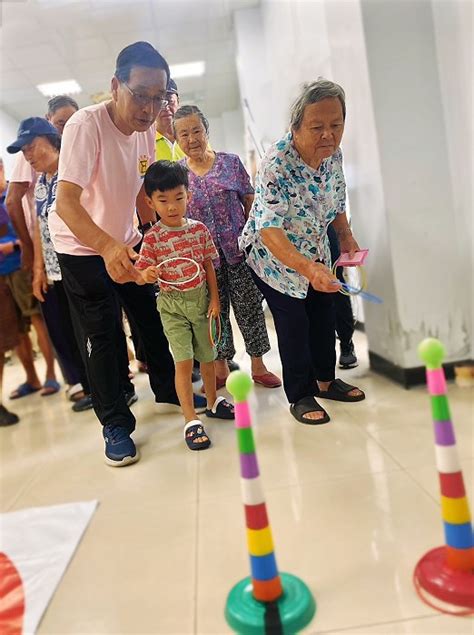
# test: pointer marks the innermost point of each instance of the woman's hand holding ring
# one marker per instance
(321, 279)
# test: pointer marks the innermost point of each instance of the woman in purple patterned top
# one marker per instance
(221, 198)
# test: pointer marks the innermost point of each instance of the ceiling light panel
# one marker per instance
(66, 87)
(190, 69)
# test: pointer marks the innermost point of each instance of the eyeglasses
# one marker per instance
(159, 103)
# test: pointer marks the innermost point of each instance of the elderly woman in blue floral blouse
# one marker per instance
(300, 190)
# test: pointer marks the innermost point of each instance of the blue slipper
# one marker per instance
(23, 390)
(51, 386)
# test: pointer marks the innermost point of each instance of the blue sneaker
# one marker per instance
(120, 450)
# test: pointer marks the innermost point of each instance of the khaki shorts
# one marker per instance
(19, 283)
(185, 323)
(9, 318)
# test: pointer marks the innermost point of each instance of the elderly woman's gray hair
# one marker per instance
(186, 111)
(311, 94)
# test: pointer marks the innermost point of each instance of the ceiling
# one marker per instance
(52, 40)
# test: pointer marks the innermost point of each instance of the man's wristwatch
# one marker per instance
(147, 226)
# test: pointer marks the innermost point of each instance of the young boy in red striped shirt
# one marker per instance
(188, 290)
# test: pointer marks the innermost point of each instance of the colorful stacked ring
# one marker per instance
(266, 596)
(446, 574)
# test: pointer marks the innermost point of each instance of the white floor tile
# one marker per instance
(353, 505)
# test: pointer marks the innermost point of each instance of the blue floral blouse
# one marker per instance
(290, 195)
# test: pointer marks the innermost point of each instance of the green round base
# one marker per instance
(247, 616)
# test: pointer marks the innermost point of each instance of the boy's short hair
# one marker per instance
(165, 175)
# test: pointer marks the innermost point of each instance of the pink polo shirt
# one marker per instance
(109, 166)
(24, 173)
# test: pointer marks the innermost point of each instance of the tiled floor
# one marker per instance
(353, 505)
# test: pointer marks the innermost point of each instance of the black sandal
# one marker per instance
(222, 409)
(338, 391)
(306, 405)
(192, 434)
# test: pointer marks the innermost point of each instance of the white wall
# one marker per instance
(226, 133)
(252, 70)
(8, 130)
(233, 123)
(453, 21)
(418, 190)
(216, 133)
(399, 63)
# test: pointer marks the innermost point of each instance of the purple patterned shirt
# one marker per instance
(217, 201)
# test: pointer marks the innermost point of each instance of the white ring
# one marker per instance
(178, 284)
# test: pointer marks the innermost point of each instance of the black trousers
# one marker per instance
(306, 338)
(97, 318)
(344, 315)
(136, 339)
(57, 315)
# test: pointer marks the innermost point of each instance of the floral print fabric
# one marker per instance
(290, 195)
(217, 201)
(45, 195)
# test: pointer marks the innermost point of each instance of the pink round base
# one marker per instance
(439, 585)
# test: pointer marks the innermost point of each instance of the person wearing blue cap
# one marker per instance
(18, 281)
(29, 130)
(20, 199)
(39, 141)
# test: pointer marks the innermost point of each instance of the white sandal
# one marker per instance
(71, 391)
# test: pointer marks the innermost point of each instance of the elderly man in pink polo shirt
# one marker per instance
(106, 149)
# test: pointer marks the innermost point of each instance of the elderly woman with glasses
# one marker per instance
(300, 190)
(221, 199)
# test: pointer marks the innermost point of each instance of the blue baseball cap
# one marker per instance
(28, 131)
